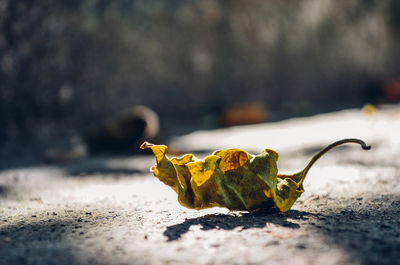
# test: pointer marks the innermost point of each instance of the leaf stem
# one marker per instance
(326, 149)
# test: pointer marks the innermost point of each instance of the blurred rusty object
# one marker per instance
(391, 90)
(244, 114)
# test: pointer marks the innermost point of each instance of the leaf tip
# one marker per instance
(146, 145)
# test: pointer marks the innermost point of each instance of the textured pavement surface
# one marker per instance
(111, 210)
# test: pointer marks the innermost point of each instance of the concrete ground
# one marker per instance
(111, 210)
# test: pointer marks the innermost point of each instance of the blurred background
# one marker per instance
(67, 66)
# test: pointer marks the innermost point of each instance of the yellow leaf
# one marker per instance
(233, 178)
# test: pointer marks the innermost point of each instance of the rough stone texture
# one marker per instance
(112, 211)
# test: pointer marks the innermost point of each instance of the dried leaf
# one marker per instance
(232, 178)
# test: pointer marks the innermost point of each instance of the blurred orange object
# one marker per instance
(243, 114)
(391, 90)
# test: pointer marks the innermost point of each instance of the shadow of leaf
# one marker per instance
(257, 219)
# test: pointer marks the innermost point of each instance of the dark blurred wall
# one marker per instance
(65, 65)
